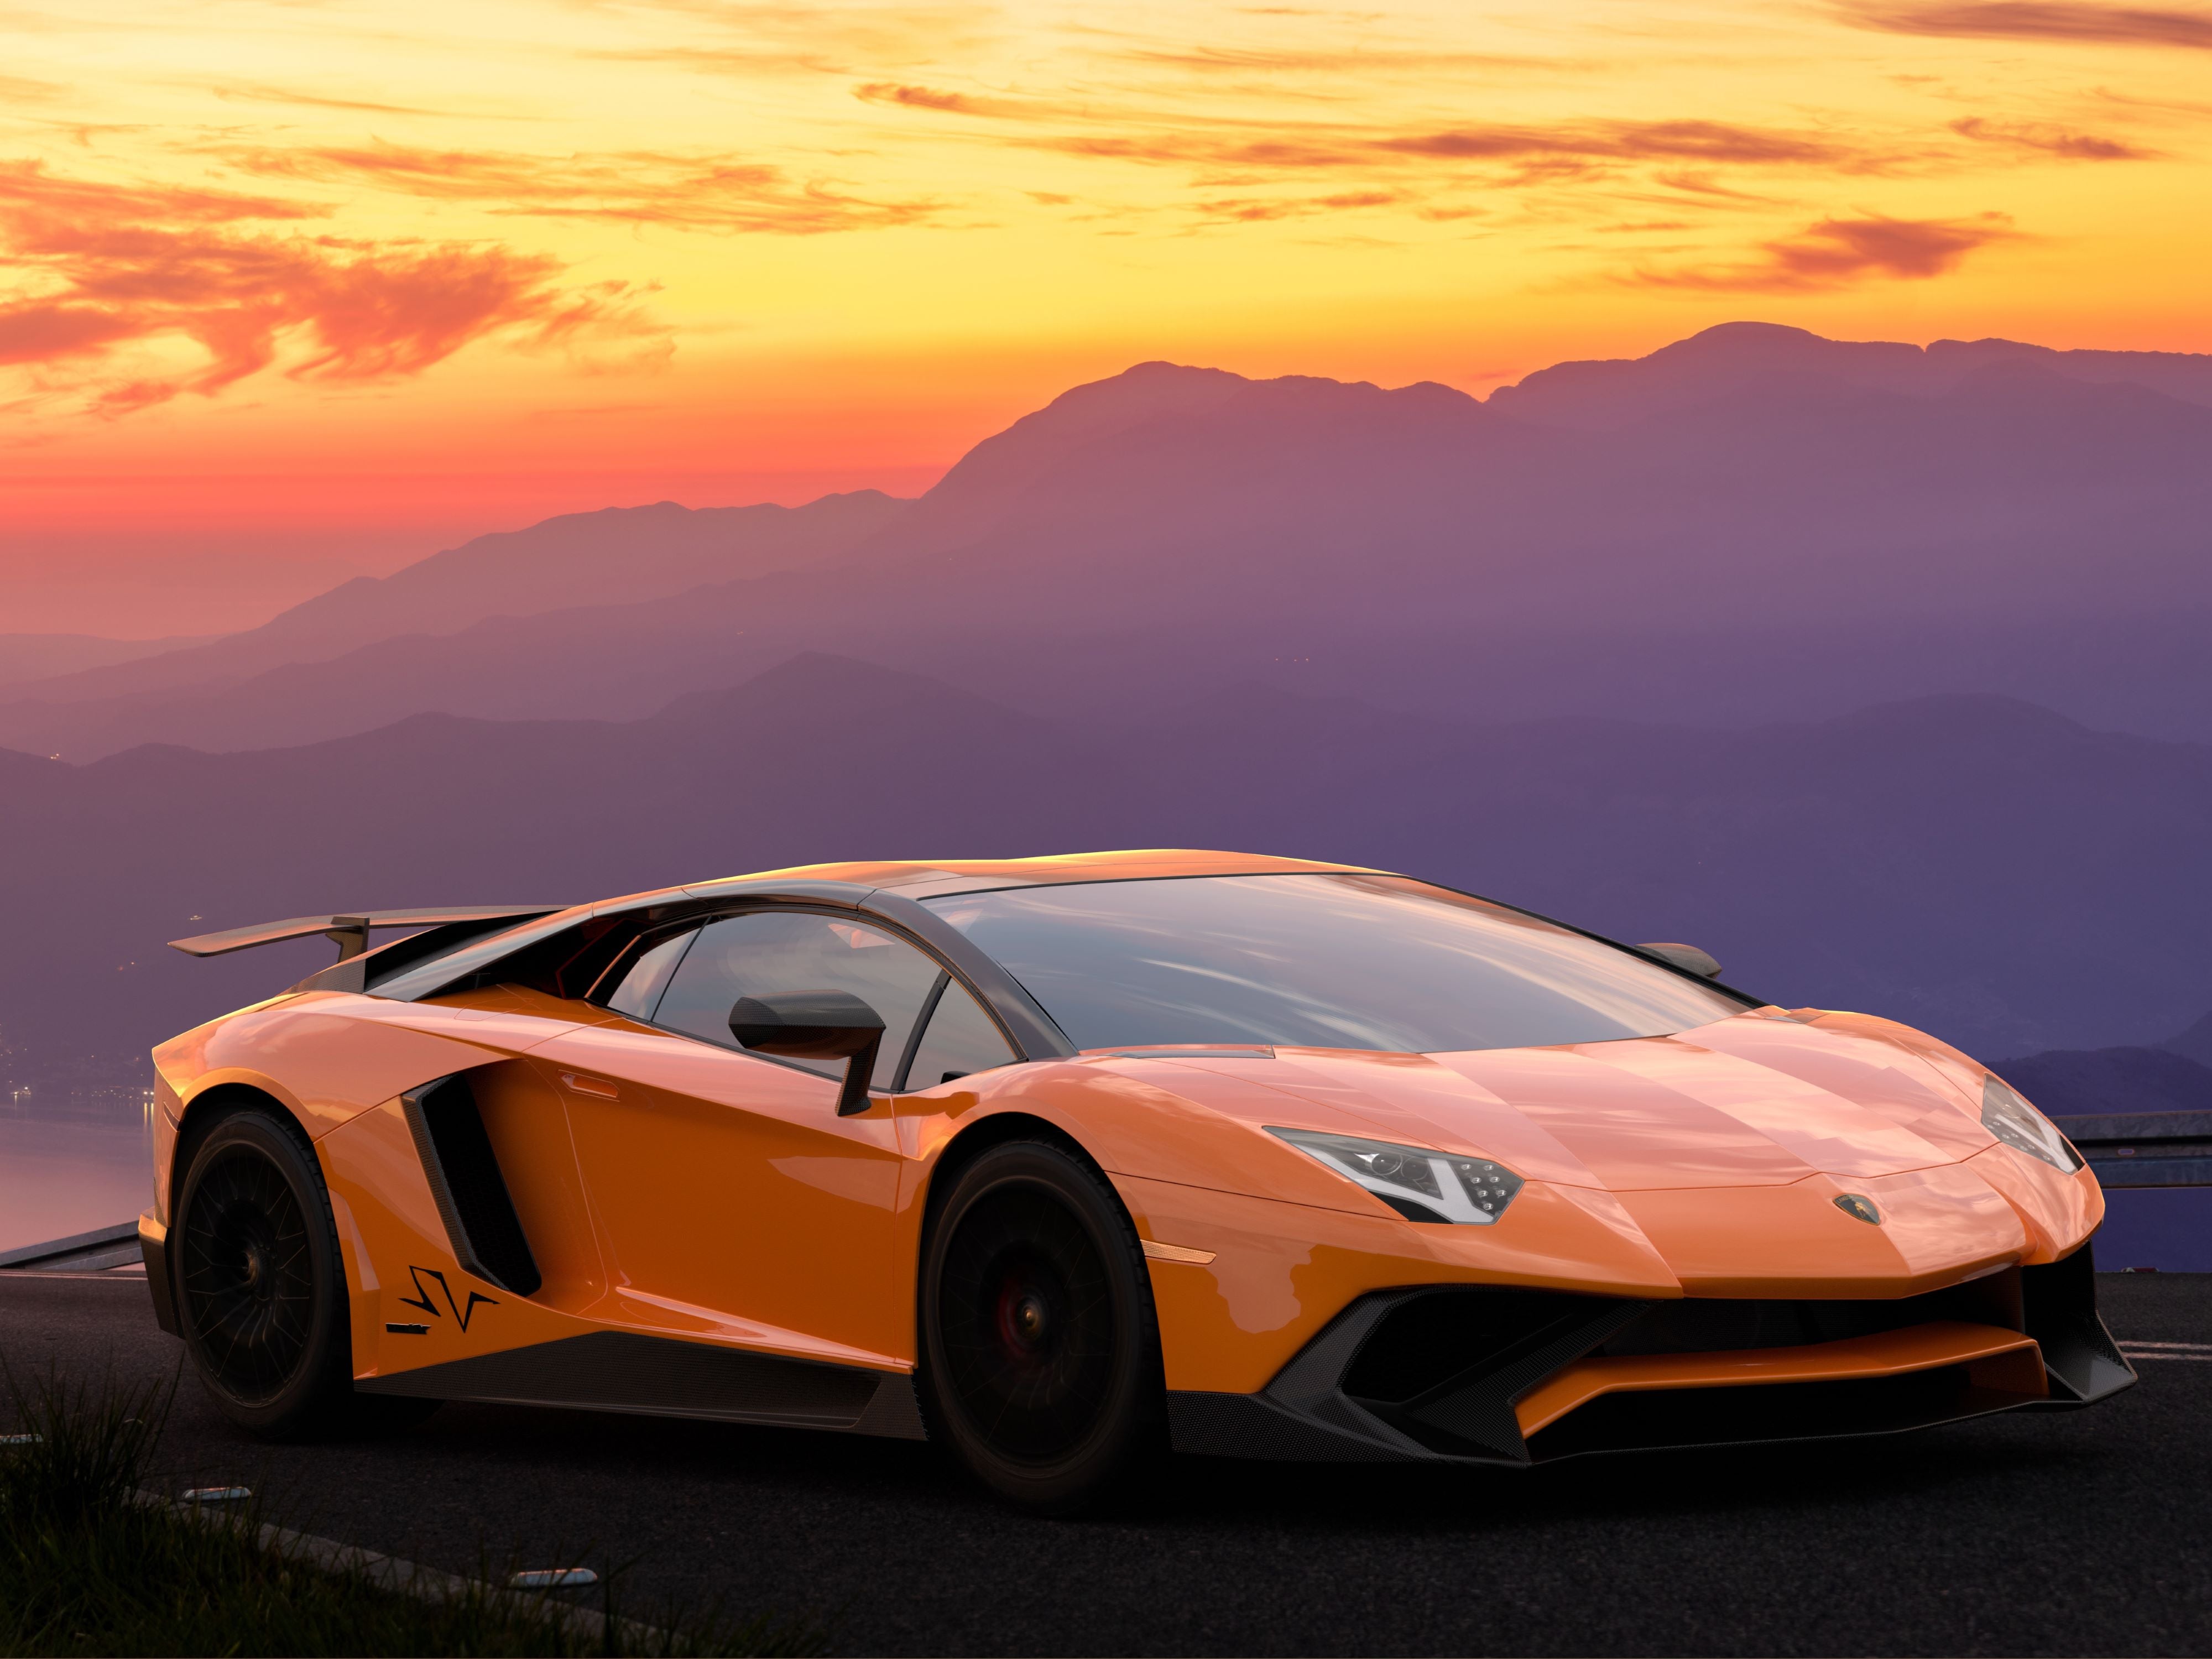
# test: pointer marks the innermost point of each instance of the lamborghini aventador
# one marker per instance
(1065, 1162)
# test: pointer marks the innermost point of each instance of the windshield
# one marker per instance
(1334, 961)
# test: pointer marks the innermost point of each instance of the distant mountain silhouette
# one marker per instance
(991, 481)
(25, 657)
(1756, 642)
(1602, 395)
(1754, 523)
(2195, 1042)
(2079, 1082)
(2001, 875)
(618, 555)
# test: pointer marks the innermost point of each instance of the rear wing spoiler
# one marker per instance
(351, 933)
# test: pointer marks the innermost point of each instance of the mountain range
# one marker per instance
(1877, 669)
(1751, 523)
(1985, 869)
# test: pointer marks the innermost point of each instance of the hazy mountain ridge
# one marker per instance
(2087, 1082)
(1398, 627)
(2003, 876)
(1904, 520)
(29, 657)
(615, 556)
(2195, 1042)
(1798, 540)
(1600, 393)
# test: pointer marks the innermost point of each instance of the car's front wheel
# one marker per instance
(260, 1286)
(1041, 1350)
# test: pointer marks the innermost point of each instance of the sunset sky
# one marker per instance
(291, 290)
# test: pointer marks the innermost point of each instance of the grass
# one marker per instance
(87, 1567)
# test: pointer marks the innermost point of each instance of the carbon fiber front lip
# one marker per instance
(1306, 1413)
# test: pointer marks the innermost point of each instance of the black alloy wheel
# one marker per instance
(260, 1286)
(1042, 1362)
(248, 1273)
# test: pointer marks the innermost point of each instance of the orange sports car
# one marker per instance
(1062, 1161)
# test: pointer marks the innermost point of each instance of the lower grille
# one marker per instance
(1428, 1340)
(1657, 1418)
(1698, 1325)
(1445, 1367)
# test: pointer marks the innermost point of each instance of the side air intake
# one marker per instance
(472, 1198)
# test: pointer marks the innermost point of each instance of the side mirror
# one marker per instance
(1687, 957)
(815, 1026)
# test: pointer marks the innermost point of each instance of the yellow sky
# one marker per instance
(768, 248)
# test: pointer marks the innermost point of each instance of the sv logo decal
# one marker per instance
(422, 1300)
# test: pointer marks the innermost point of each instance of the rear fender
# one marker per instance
(320, 1057)
(414, 1302)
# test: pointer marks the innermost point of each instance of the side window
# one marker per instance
(647, 977)
(772, 950)
(960, 1039)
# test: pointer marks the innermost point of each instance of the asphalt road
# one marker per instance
(2081, 1533)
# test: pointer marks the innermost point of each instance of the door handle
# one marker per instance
(597, 1087)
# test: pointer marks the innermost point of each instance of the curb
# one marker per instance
(389, 1572)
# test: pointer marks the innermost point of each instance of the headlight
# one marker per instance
(2023, 1129)
(1418, 1184)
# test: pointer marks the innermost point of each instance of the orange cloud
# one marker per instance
(694, 192)
(1528, 155)
(1354, 59)
(2036, 19)
(770, 39)
(1674, 141)
(101, 267)
(29, 194)
(35, 332)
(1538, 152)
(1836, 253)
(22, 89)
(952, 103)
(1253, 211)
(2051, 141)
(314, 100)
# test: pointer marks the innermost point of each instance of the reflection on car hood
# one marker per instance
(1755, 1101)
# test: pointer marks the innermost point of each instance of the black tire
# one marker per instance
(260, 1286)
(1041, 1352)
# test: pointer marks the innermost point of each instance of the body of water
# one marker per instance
(69, 1165)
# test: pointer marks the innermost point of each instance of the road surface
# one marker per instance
(2083, 1532)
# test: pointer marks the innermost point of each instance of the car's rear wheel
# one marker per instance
(1041, 1350)
(261, 1291)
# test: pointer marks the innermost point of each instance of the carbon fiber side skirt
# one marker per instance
(659, 1376)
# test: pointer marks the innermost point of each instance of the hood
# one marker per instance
(1710, 1161)
(1762, 1099)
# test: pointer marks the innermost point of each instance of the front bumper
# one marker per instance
(1459, 1374)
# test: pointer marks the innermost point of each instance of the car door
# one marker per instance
(730, 1195)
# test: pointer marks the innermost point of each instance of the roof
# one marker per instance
(937, 876)
(852, 886)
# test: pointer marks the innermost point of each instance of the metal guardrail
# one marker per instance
(82, 1253)
(2144, 1149)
